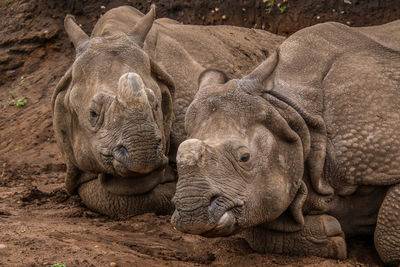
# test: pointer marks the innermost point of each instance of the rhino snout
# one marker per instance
(128, 160)
(121, 154)
(189, 152)
(213, 218)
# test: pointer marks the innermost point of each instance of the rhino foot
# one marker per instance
(321, 236)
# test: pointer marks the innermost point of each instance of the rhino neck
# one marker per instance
(312, 131)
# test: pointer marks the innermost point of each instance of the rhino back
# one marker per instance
(353, 83)
(387, 34)
(232, 49)
(361, 111)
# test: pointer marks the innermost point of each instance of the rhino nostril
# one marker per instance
(120, 151)
(214, 201)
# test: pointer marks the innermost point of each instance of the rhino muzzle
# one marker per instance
(140, 163)
(200, 207)
(215, 217)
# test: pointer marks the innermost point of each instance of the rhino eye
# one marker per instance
(245, 157)
(93, 114)
(156, 107)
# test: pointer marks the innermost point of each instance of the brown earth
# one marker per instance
(39, 223)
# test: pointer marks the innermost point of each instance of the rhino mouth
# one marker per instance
(224, 225)
(136, 184)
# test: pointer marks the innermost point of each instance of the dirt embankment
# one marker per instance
(39, 223)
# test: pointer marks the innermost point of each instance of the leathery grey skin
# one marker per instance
(303, 150)
(118, 112)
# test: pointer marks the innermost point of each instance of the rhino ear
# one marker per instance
(61, 119)
(260, 79)
(77, 36)
(167, 87)
(210, 77)
(143, 26)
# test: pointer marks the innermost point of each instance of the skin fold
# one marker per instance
(301, 151)
(119, 110)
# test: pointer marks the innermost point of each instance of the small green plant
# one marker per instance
(270, 6)
(11, 102)
(58, 265)
(282, 9)
(22, 83)
(21, 102)
(7, 3)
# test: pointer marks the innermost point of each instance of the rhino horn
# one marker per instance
(143, 26)
(259, 77)
(131, 90)
(77, 36)
(189, 152)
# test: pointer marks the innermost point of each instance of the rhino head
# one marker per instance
(243, 162)
(112, 119)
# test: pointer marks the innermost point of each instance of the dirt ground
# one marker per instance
(40, 224)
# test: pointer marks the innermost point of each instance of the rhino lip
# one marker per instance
(225, 226)
(136, 184)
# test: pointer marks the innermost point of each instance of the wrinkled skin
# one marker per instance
(302, 150)
(119, 109)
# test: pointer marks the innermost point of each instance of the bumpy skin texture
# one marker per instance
(119, 110)
(302, 150)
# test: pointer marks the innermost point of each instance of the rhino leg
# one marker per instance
(387, 231)
(321, 236)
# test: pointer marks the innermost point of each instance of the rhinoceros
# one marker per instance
(303, 150)
(119, 110)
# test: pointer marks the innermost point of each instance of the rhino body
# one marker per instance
(119, 110)
(303, 150)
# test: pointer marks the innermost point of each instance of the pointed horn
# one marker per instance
(131, 90)
(143, 26)
(258, 78)
(77, 36)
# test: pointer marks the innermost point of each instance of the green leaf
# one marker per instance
(11, 102)
(282, 9)
(21, 102)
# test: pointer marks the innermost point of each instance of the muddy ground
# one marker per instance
(39, 223)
